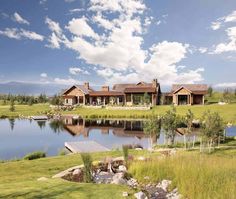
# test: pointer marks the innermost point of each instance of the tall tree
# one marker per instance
(210, 91)
(170, 123)
(212, 129)
(152, 127)
(188, 120)
(12, 105)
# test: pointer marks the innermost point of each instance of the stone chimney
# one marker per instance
(86, 85)
(154, 83)
(105, 88)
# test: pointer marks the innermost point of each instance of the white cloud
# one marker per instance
(225, 19)
(42, 2)
(215, 25)
(15, 33)
(202, 49)
(80, 27)
(17, 18)
(76, 71)
(72, 11)
(43, 75)
(229, 46)
(117, 51)
(57, 36)
(226, 85)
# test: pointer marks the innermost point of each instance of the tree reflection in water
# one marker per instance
(57, 126)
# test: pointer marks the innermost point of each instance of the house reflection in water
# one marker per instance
(120, 128)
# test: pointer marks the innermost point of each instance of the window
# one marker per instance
(67, 101)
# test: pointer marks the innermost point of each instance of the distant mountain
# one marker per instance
(30, 88)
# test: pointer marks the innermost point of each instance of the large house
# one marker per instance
(121, 94)
(188, 94)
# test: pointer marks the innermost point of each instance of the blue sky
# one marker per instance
(114, 41)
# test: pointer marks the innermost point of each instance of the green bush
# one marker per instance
(35, 155)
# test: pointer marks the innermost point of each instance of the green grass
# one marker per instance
(226, 111)
(19, 179)
(196, 176)
(24, 110)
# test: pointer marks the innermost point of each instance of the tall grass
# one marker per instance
(196, 176)
(87, 160)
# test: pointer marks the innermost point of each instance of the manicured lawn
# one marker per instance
(228, 112)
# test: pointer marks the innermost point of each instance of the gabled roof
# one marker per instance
(192, 88)
(80, 87)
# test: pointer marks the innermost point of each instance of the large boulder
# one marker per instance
(77, 175)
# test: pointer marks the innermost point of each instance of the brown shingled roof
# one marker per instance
(194, 88)
(141, 89)
(105, 93)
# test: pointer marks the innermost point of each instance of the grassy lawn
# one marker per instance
(19, 179)
(196, 176)
(25, 110)
(226, 111)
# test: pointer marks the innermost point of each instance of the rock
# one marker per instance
(118, 178)
(103, 177)
(122, 168)
(42, 179)
(77, 175)
(67, 172)
(164, 184)
(138, 149)
(140, 195)
(125, 194)
(146, 178)
(132, 183)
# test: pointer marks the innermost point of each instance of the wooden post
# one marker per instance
(203, 99)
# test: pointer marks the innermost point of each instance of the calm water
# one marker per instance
(20, 137)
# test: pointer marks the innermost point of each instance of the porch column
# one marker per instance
(104, 101)
(177, 99)
(118, 101)
(203, 99)
(132, 98)
(84, 100)
(90, 100)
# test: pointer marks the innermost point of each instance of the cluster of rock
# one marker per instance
(114, 171)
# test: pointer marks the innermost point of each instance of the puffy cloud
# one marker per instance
(80, 27)
(202, 49)
(17, 18)
(72, 11)
(43, 75)
(76, 71)
(225, 19)
(117, 52)
(15, 33)
(229, 46)
(53, 26)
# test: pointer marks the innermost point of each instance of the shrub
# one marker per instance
(87, 160)
(35, 155)
(62, 152)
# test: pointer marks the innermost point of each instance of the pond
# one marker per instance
(20, 137)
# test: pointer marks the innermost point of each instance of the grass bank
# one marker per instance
(226, 111)
(19, 179)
